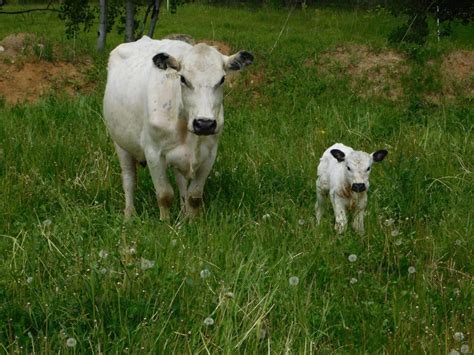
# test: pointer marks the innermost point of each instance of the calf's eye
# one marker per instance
(368, 169)
(349, 169)
(183, 80)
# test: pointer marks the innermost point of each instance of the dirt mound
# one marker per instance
(222, 47)
(370, 73)
(457, 69)
(25, 77)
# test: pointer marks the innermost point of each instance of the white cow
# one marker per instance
(343, 174)
(163, 106)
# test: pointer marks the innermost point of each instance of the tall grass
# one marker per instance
(72, 269)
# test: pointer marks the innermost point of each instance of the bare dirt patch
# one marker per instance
(24, 76)
(457, 70)
(370, 73)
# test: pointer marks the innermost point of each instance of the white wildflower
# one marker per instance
(395, 232)
(208, 321)
(294, 280)
(71, 342)
(352, 258)
(146, 264)
(205, 273)
(389, 222)
(411, 270)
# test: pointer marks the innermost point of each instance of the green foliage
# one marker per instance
(76, 13)
(71, 268)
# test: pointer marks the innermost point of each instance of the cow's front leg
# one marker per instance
(182, 183)
(340, 213)
(196, 186)
(319, 207)
(156, 163)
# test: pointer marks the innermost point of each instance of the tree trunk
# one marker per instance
(102, 26)
(130, 21)
(154, 18)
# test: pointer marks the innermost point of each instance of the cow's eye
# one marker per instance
(183, 81)
(349, 169)
(368, 169)
(221, 82)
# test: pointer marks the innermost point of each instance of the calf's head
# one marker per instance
(357, 166)
(202, 72)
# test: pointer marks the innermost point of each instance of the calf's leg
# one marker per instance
(319, 206)
(340, 213)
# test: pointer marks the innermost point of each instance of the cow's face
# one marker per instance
(357, 166)
(202, 74)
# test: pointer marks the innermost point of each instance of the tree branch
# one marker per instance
(25, 11)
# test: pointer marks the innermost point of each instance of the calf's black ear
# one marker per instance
(165, 61)
(339, 155)
(379, 155)
(239, 61)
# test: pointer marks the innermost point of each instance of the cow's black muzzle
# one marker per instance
(204, 126)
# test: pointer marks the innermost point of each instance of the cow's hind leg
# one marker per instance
(129, 179)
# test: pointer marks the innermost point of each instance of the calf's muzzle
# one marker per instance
(358, 187)
(204, 126)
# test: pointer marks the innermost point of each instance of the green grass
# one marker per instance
(61, 205)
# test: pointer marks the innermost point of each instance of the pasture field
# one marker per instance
(75, 278)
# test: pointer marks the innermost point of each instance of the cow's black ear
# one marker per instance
(339, 155)
(379, 155)
(165, 61)
(239, 61)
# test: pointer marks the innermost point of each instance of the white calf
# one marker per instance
(343, 174)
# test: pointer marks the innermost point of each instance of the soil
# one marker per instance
(24, 76)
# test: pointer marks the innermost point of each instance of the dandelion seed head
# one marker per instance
(465, 349)
(205, 273)
(103, 271)
(352, 258)
(395, 233)
(454, 352)
(353, 281)
(398, 242)
(301, 222)
(458, 336)
(29, 279)
(229, 294)
(388, 222)
(294, 280)
(458, 242)
(71, 342)
(208, 321)
(47, 222)
(411, 270)
(146, 264)
(103, 254)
